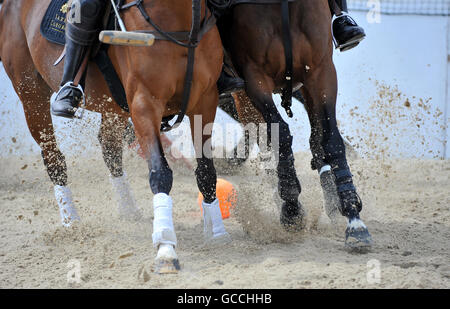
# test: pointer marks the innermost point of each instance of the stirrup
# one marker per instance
(350, 44)
(83, 103)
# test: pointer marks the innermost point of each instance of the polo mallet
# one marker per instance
(125, 37)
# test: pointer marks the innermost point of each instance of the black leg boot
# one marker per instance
(80, 36)
(346, 31)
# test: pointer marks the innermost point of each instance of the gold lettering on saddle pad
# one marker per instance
(58, 22)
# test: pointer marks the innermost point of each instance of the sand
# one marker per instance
(406, 208)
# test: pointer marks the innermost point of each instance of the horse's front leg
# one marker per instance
(328, 150)
(202, 120)
(111, 140)
(146, 115)
(259, 89)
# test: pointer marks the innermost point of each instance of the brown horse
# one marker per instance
(253, 35)
(153, 78)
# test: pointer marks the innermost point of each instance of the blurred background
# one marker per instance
(393, 90)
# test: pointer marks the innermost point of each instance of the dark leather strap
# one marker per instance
(287, 42)
(82, 68)
(346, 187)
(166, 35)
(342, 173)
(112, 79)
(193, 42)
(335, 7)
(344, 180)
(128, 5)
(207, 25)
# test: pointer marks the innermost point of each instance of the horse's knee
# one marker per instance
(206, 179)
(55, 164)
(161, 178)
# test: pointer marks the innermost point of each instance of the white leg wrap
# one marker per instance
(325, 168)
(127, 203)
(166, 252)
(163, 230)
(67, 209)
(356, 224)
(213, 226)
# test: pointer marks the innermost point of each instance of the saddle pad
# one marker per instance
(53, 24)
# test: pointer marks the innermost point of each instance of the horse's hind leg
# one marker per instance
(35, 96)
(111, 137)
(201, 128)
(328, 150)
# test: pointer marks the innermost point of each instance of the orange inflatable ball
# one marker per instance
(227, 196)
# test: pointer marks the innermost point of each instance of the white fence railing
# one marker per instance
(403, 7)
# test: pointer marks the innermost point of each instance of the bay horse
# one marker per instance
(253, 33)
(153, 79)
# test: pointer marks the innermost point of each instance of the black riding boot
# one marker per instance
(346, 31)
(80, 36)
(228, 84)
(70, 95)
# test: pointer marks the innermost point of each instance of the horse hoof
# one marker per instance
(293, 222)
(167, 266)
(357, 236)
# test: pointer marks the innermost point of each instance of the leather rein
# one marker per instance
(189, 40)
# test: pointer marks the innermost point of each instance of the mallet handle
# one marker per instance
(121, 24)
